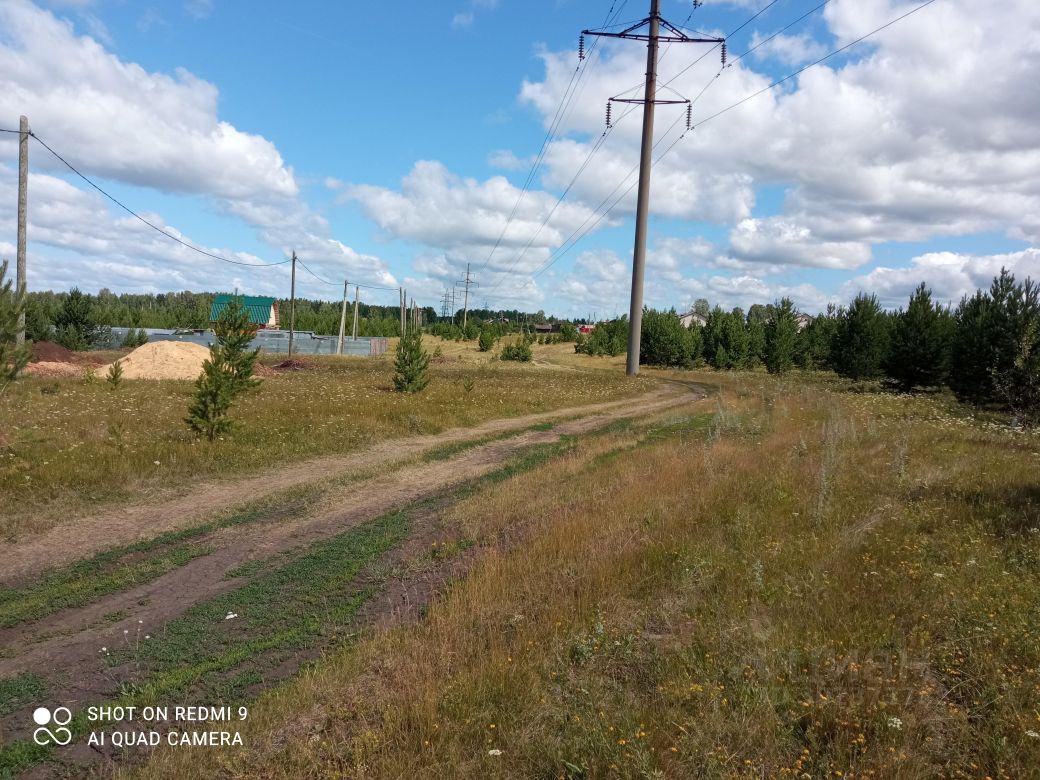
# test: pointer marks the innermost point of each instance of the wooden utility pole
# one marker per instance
(342, 319)
(653, 37)
(23, 208)
(357, 296)
(467, 282)
(292, 304)
(401, 291)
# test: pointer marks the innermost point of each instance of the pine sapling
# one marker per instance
(412, 363)
(115, 374)
(226, 374)
(12, 305)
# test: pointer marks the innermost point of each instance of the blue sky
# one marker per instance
(387, 144)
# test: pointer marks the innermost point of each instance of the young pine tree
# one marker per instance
(861, 343)
(412, 363)
(486, 341)
(781, 335)
(12, 304)
(226, 375)
(919, 351)
(75, 324)
(115, 374)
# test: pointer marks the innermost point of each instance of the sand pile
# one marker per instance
(163, 360)
(48, 368)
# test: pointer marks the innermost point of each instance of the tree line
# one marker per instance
(986, 350)
(78, 320)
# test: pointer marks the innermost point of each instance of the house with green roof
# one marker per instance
(263, 312)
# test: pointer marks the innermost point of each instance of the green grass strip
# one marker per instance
(20, 691)
(87, 580)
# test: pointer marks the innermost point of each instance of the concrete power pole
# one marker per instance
(402, 293)
(342, 319)
(23, 208)
(292, 304)
(357, 296)
(467, 282)
(653, 38)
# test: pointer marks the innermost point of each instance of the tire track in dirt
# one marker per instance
(80, 537)
(70, 640)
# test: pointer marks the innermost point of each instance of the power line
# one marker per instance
(564, 248)
(137, 216)
(826, 57)
(558, 118)
(602, 138)
(781, 31)
(732, 32)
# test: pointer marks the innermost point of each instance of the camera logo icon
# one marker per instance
(60, 718)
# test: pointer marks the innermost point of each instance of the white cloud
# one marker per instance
(200, 9)
(780, 241)
(462, 19)
(950, 275)
(123, 122)
(508, 161)
(466, 217)
(925, 135)
(89, 106)
(788, 49)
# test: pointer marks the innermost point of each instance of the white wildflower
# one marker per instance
(895, 723)
(494, 752)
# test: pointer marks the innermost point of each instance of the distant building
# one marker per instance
(691, 318)
(802, 320)
(547, 328)
(586, 329)
(263, 312)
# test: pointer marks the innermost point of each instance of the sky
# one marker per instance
(391, 144)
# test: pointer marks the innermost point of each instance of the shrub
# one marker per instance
(134, 339)
(568, 332)
(607, 338)
(664, 341)
(520, 351)
(411, 364)
(486, 341)
(226, 374)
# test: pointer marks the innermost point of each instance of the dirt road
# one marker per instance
(80, 537)
(63, 647)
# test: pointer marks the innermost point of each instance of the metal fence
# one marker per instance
(304, 342)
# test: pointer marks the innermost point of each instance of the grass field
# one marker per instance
(788, 581)
(70, 444)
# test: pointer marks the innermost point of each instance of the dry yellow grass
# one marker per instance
(826, 586)
(71, 443)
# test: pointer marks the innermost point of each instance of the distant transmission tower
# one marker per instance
(653, 37)
(445, 305)
(466, 282)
